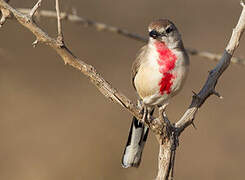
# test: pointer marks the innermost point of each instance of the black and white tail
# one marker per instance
(136, 140)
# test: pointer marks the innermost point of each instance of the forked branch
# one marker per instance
(209, 86)
(167, 140)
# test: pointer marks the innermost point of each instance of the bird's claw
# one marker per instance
(145, 114)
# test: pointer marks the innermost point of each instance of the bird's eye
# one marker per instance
(169, 29)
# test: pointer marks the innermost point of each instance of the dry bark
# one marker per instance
(166, 132)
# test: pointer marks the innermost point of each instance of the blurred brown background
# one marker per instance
(55, 125)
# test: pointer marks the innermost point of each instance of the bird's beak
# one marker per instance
(154, 34)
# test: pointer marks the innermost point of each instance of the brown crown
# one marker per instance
(160, 23)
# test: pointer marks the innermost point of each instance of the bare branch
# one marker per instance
(164, 159)
(209, 87)
(105, 27)
(167, 140)
(69, 58)
(214, 57)
(34, 9)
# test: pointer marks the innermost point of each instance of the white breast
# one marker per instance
(148, 77)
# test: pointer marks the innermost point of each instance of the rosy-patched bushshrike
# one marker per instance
(158, 73)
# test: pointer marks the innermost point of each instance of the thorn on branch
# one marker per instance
(195, 95)
(5, 15)
(217, 94)
(2, 21)
(193, 124)
(211, 72)
(34, 44)
(34, 9)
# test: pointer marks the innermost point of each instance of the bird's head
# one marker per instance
(163, 30)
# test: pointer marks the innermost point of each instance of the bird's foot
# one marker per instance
(162, 113)
(162, 108)
(146, 111)
(145, 114)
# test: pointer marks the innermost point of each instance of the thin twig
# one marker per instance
(207, 90)
(209, 87)
(34, 9)
(60, 38)
(69, 58)
(105, 27)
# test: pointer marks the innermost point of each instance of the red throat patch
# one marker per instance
(166, 61)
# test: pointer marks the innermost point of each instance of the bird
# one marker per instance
(158, 73)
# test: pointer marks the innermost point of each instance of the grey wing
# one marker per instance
(137, 62)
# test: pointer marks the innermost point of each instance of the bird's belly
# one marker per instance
(149, 81)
